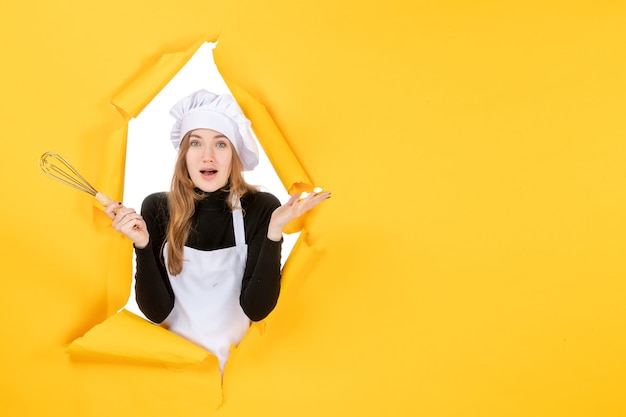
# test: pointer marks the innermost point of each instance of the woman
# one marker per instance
(208, 252)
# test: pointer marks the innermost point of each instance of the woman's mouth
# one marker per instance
(208, 172)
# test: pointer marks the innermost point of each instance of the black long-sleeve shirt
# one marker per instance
(212, 228)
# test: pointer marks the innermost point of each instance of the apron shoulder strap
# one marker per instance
(238, 226)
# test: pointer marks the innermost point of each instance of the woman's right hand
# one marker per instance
(129, 223)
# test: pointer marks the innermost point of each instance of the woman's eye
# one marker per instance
(194, 143)
(221, 144)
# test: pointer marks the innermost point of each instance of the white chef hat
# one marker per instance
(206, 110)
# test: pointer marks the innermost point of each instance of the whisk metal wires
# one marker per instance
(55, 166)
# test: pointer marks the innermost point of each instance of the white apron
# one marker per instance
(206, 306)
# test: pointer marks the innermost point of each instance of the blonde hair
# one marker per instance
(182, 200)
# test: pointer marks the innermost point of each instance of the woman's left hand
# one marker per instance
(291, 210)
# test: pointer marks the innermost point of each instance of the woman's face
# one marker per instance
(209, 159)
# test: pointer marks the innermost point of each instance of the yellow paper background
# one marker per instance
(470, 261)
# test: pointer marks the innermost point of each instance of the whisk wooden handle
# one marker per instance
(104, 199)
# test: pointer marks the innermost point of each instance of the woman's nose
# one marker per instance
(207, 155)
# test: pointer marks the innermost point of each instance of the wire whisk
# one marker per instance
(55, 166)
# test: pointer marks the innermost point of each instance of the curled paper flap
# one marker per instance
(110, 179)
(303, 256)
(126, 336)
(284, 161)
(132, 99)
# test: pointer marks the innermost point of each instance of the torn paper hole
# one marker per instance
(149, 135)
